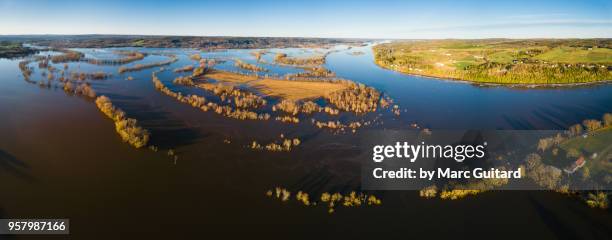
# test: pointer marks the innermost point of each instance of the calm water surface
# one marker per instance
(61, 158)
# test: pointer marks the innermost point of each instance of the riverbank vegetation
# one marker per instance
(203, 68)
(339, 126)
(10, 49)
(285, 146)
(454, 191)
(311, 72)
(83, 89)
(139, 67)
(343, 94)
(81, 76)
(247, 66)
(187, 68)
(282, 58)
(330, 200)
(128, 57)
(26, 70)
(501, 61)
(126, 127)
(355, 97)
(204, 105)
(240, 98)
(66, 56)
(306, 107)
(577, 157)
(259, 54)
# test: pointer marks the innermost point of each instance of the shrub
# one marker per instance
(598, 200)
(183, 80)
(575, 130)
(429, 192)
(85, 90)
(607, 119)
(67, 56)
(68, 87)
(287, 106)
(591, 124)
(287, 119)
(286, 145)
(247, 66)
(196, 57)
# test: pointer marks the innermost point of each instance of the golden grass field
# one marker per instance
(285, 89)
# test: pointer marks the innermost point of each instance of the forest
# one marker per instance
(205, 43)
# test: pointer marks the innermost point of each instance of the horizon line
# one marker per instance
(235, 36)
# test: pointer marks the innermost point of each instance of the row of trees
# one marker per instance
(67, 56)
(139, 67)
(285, 146)
(241, 99)
(83, 89)
(126, 127)
(247, 66)
(588, 126)
(455, 191)
(202, 104)
(306, 107)
(316, 72)
(329, 200)
(309, 61)
(128, 57)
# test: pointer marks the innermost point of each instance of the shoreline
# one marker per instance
(508, 85)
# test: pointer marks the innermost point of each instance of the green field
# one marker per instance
(577, 55)
(501, 60)
(598, 143)
(13, 49)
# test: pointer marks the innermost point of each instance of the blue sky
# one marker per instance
(314, 18)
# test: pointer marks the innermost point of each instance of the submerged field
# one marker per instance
(501, 61)
(291, 90)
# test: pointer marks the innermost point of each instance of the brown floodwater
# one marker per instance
(60, 157)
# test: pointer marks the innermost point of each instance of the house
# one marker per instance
(575, 165)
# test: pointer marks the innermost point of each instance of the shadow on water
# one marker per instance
(560, 229)
(314, 181)
(14, 166)
(583, 111)
(120, 97)
(600, 230)
(166, 131)
(551, 118)
(518, 123)
(170, 135)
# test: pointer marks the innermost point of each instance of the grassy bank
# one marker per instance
(501, 61)
(14, 49)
